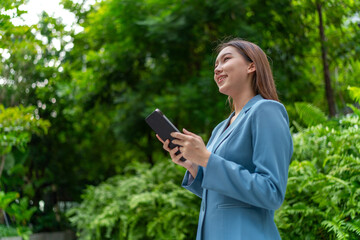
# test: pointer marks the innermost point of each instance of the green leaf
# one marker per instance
(354, 93)
(310, 114)
(7, 198)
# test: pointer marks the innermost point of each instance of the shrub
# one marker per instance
(147, 203)
(322, 199)
(7, 231)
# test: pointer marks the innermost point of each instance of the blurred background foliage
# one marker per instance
(97, 85)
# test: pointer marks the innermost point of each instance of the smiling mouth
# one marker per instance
(221, 79)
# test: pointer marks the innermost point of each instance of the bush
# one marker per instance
(19, 211)
(19, 231)
(147, 203)
(322, 199)
(7, 231)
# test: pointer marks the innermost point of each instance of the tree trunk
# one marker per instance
(2, 164)
(328, 89)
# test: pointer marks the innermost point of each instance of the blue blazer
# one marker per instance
(246, 175)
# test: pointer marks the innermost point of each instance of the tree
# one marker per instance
(97, 87)
(328, 88)
(333, 33)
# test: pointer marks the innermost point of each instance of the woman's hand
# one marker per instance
(190, 166)
(192, 147)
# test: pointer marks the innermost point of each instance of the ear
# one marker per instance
(251, 67)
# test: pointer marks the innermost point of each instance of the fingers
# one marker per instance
(189, 133)
(166, 145)
(173, 152)
(179, 135)
(167, 148)
(176, 158)
(184, 139)
(178, 142)
(159, 138)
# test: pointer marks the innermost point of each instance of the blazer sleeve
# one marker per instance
(272, 150)
(194, 185)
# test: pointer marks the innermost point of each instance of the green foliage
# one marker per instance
(131, 57)
(7, 198)
(146, 203)
(322, 198)
(23, 232)
(19, 210)
(309, 114)
(355, 95)
(7, 231)
(17, 124)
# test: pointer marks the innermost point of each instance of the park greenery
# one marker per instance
(17, 125)
(75, 149)
(322, 199)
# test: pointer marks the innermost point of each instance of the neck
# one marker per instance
(241, 100)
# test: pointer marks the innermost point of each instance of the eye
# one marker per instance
(226, 58)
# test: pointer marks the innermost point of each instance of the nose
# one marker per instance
(217, 69)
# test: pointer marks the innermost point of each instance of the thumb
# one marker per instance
(189, 133)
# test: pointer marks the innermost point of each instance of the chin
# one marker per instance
(223, 91)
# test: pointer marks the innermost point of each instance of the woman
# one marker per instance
(241, 174)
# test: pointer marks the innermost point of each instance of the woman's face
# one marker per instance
(232, 72)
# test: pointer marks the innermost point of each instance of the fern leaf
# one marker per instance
(354, 93)
(354, 109)
(338, 180)
(335, 227)
(297, 126)
(310, 114)
(353, 227)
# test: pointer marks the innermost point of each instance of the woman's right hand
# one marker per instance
(190, 166)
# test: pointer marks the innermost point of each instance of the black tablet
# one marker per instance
(163, 127)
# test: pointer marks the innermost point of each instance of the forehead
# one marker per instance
(227, 50)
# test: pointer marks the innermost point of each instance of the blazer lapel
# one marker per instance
(224, 133)
(222, 127)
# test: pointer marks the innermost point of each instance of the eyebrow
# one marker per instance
(222, 55)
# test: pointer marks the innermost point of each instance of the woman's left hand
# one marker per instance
(192, 147)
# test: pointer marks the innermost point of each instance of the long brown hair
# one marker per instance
(263, 81)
